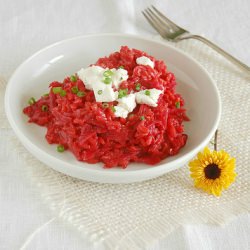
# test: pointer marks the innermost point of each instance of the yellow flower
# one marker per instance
(213, 171)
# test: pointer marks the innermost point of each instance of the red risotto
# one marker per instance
(94, 131)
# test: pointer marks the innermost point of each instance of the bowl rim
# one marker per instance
(105, 172)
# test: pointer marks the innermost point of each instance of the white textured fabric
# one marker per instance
(142, 212)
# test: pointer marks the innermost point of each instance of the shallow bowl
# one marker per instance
(66, 57)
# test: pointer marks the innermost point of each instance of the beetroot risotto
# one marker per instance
(119, 110)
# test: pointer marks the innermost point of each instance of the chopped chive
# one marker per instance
(60, 148)
(57, 90)
(131, 115)
(80, 94)
(178, 104)
(121, 78)
(121, 67)
(74, 89)
(108, 73)
(142, 118)
(138, 86)
(45, 95)
(45, 108)
(99, 92)
(122, 93)
(73, 78)
(113, 108)
(105, 105)
(107, 80)
(31, 101)
(63, 93)
(147, 92)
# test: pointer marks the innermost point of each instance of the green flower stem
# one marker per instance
(215, 140)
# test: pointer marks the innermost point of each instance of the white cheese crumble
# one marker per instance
(125, 105)
(121, 112)
(127, 102)
(104, 93)
(119, 75)
(91, 76)
(151, 99)
(94, 76)
(143, 60)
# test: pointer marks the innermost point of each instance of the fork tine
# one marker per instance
(157, 28)
(161, 22)
(158, 20)
(165, 18)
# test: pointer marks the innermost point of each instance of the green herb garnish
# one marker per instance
(60, 148)
(105, 105)
(56, 90)
(63, 93)
(74, 90)
(122, 93)
(80, 94)
(178, 104)
(73, 78)
(138, 86)
(107, 80)
(31, 101)
(113, 108)
(108, 73)
(45, 108)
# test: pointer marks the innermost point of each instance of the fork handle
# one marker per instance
(218, 49)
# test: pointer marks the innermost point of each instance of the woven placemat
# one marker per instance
(132, 216)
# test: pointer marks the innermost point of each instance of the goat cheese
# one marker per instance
(95, 78)
(143, 60)
(148, 96)
(95, 74)
(91, 76)
(121, 112)
(127, 102)
(119, 75)
(104, 92)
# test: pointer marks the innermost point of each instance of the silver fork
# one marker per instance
(172, 32)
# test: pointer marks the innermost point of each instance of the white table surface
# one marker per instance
(27, 26)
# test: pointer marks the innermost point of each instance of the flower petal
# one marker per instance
(223, 161)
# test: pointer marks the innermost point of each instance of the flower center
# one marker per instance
(212, 171)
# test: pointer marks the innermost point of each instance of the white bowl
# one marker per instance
(66, 57)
